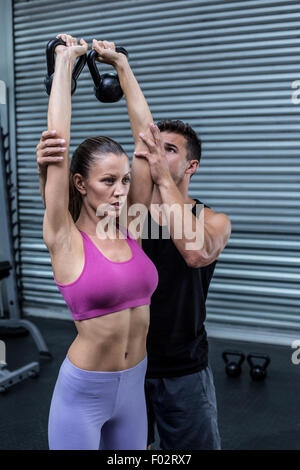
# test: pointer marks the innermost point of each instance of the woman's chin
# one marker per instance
(108, 211)
(115, 212)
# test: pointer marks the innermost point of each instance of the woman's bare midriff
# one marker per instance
(111, 342)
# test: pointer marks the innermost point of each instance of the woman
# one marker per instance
(107, 283)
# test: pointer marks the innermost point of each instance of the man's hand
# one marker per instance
(155, 156)
(107, 52)
(49, 150)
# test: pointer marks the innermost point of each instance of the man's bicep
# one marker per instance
(218, 224)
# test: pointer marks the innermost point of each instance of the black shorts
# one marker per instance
(184, 410)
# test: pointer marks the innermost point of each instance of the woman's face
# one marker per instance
(108, 184)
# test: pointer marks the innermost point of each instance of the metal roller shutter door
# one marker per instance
(227, 68)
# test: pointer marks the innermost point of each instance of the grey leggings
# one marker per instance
(93, 410)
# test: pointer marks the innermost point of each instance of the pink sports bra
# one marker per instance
(106, 286)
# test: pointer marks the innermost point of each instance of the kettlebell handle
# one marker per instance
(50, 51)
(94, 70)
(258, 356)
(233, 353)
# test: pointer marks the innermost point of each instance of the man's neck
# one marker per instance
(156, 197)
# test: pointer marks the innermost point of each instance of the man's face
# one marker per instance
(175, 151)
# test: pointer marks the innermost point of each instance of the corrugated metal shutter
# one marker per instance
(227, 68)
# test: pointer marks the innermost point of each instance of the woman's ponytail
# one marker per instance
(75, 200)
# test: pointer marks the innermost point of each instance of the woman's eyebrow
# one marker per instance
(114, 175)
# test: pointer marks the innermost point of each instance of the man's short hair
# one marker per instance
(193, 142)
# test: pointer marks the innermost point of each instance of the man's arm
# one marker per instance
(199, 240)
(209, 233)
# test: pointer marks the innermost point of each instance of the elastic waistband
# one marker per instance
(100, 375)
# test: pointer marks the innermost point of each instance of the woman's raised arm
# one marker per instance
(57, 218)
(140, 119)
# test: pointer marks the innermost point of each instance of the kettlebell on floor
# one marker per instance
(258, 372)
(233, 368)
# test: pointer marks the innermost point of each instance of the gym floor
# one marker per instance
(252, 415)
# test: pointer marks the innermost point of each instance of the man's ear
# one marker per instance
(192, 166)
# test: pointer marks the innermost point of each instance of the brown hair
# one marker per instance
(193, 142)
(83, 158)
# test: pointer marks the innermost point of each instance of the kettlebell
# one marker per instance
(107, 86)
(50, 50)
(233, 369)
(258, 372)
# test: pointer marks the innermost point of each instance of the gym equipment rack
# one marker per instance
(9, 273)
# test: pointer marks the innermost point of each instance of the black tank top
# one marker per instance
(176, 342)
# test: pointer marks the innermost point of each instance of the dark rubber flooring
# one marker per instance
(252, 415)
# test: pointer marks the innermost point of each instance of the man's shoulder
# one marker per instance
(198, 205)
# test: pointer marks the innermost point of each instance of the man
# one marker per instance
(179, 386)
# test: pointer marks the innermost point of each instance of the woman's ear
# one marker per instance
(79, 183)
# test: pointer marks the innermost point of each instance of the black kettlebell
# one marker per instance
(258, 372)
(50, 50)
(107, 86)
(233, 369)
